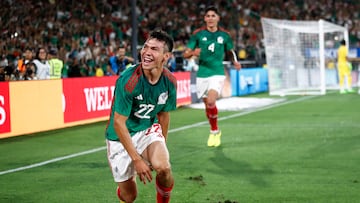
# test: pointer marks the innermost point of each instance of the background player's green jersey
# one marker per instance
(213, 46)
(141, 101)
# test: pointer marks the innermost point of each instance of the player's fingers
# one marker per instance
(148, 176)
(142, 178)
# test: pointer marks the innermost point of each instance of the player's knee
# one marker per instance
(128, 192)
(128, 197)
(163, 170)
(211, 105)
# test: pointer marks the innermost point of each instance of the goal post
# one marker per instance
(301, 55)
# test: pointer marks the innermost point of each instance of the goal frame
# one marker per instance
(321, 27)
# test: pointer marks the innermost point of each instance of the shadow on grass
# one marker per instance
(240, 170)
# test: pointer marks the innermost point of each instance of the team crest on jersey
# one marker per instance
(204, 39)
(162, 98)
(220, 40)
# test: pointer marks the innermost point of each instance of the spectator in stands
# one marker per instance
(209, 43)
(119, 62)
(30, 71)
(2, 73)
(9, 73)
(73, 67)
(191, 64)
(56, 65)
(3, 61)
(171, 65)
(42, 65)
(242, 54)
(99, 72)
(21, 64)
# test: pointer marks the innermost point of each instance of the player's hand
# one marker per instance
(237, 65)
(196, 52)
(143, 170)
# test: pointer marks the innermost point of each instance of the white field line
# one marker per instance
(170, 131)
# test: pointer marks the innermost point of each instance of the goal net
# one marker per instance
(301, 55)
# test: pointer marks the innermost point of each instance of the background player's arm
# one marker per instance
(188, 53)
(164, 120)
(233, 58)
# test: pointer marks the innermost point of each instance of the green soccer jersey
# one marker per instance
(141, 101)
(213, 46)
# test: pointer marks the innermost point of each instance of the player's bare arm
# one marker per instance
(188, 53)
(129, 58)
(164, 121)
(233, 57)
(141, 167)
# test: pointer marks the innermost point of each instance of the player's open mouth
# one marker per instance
(147, 60)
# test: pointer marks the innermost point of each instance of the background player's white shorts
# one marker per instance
(119, 160)
(203, 85)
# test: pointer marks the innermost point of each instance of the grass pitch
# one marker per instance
(305, 150)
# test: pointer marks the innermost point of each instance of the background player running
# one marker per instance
(209, 44)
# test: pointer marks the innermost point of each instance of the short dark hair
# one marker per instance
(164, 37)
(212, 8)
(343, 42)
(28, 48)
(121, 46)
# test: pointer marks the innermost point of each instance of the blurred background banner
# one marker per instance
(249, 81)
(86, 98)
(4, 108)
(30, 106)
(183, 88)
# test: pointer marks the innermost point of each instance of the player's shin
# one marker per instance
(118, 194)
(212, 114)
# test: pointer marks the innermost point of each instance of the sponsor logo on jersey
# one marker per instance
(139, 97)
(204, 39)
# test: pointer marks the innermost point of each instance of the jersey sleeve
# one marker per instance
(192, 43)
(171, 102)
(229, 43)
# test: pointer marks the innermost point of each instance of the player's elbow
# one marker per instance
(187, 54)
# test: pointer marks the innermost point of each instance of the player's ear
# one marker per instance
(167, 55)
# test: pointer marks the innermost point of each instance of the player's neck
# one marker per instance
(212, 28)
(153, 75)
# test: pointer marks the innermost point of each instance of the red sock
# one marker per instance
(163, 193)
(212, 115)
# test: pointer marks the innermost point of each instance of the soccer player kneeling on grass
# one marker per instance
(138, 127)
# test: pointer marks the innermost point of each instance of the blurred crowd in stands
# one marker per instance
(83, 35)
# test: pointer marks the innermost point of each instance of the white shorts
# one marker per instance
(120, 162)
(203, 85)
